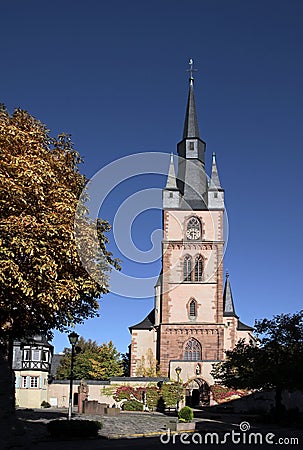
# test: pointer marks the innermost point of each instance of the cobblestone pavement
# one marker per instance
(133, 424)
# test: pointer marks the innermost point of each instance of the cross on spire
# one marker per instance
(191, 70)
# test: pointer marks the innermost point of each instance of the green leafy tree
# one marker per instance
(43, 284)
(91, 362)
(276, 363)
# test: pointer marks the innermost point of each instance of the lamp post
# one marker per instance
(73, 339)
(178, 371)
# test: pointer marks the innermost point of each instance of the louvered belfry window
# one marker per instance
(187, 268)
(198, 268)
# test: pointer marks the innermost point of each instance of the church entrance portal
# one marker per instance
(197, 393)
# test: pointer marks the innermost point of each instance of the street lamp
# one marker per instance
(73, 339)
(178, 371)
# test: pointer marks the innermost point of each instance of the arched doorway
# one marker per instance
(197, 393)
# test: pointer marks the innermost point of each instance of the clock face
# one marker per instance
(193, 233)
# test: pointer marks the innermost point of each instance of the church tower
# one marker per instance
(194, 320)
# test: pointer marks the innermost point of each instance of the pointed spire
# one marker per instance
(191, 128)
(214, 179)
(171, 177)
(228, 302)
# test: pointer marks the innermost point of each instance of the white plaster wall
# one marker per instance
(188, 371)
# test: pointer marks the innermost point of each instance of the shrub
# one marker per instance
(186, 414)
(171, 393)
(224, 394)
(132, 405)
(124, 392)
(45, 404)
(152, 397)
(73, 428)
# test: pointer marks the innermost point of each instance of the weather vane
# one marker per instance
(191, 69)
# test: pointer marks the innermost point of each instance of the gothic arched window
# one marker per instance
(187, 263)
(192, 350)
(192, 309)
(193, 229)
(198, 268)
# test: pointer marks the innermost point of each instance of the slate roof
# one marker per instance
(242, 327)
(171, 183)
(191, 127)
(55, 364)
(214, 179)
(146, 323)
(228, 302)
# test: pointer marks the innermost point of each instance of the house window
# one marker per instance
(30, 382)
(36, 355)
(198, 268)
(26, 355)
(187, 268)
(33, 382)
(192, 350)
(170, 195)
(215, 194)
(44, 355)
(192, 309)
(191, 146)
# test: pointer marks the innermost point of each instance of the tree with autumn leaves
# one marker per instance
(43, 284)
(91, 361)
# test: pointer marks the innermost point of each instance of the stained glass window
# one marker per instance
(192, 350)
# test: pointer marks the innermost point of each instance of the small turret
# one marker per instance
(228, 302)
(215, 194)
(171, 195)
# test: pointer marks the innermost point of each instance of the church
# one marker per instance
(194, 318)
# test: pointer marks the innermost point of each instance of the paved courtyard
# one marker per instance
(130, 430)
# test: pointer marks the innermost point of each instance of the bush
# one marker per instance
(223, 394)
(171, 393)
(186, 414)
(45, 404)
(73, 428)
(152, 397)
(132, 405)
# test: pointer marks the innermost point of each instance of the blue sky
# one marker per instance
(113, 74)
